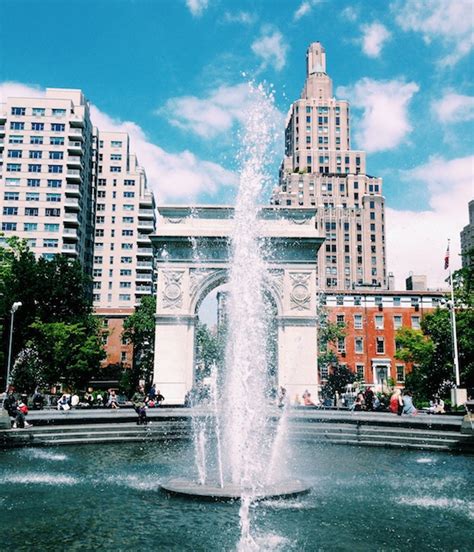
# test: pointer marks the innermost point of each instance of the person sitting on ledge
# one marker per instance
(408, 406)
(307, 399)
(112, 401)
(139, 401)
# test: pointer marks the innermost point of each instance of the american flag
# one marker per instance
(446, 258)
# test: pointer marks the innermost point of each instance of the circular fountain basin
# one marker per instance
(192, 489)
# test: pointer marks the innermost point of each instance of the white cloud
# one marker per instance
(271, 48)
(212, 115)
(447, 20)
(349, 13)
(246, 18)
(454, 108)
(172, 176)
(305, 8)
(416, 241)
(374, 37)
(384, 123)
(197, 7)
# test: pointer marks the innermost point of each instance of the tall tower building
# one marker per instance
(467, 239)
(125, 218)
(46, 192)
(321, 170)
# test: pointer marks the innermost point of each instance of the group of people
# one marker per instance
(17, 410)
(142, 401)
(402, 403)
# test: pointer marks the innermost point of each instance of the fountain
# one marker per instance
(246, 443)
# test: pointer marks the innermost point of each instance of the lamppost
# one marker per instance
(13, 310)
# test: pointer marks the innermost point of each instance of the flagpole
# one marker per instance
(455, 338)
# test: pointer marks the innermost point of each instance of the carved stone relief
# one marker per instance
(172, 292)
(300, 296)
(275, 280)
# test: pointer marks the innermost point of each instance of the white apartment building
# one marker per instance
(124, 220)
(321, 170)
(123, 264)
(46, 193)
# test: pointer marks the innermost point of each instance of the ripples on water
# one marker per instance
(106, 498)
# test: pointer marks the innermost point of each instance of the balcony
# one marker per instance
(76, 121)
(74, 146)
(146, 213)
(75, 133)
(73, 174)
(68, 248)
(144, 237)
(145, 251)
(2, 129)
(143, 289)
(71, 218)
(144, 277)
(73, 189)
(146, 224)
(72, 203)
(144, 264)
(74, 160)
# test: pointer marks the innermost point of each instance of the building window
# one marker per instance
(18, 110)
(32, 196)
(50, 243)
(11, 196)
(56, 140)
(36, 140)
(57, 112)
(31, 211)
(98, 259)
(30, 227)
(49, 212)
(359, 344)
(340, 318)
(400, 373)
(124, 297)
(125, 284)
(58, 127)
(51, 227)
(116, 157)
(9, 226)
(126, 260)
(115, 169)
(55, 198)
(380, 345)
(13, 167)
(15, 139)
(54, 183)
(14, 125)
(357, 321)
(397, 321)
(15, 154)
(116, 144)
(128, 194)
(127, 245)
(38, 111)
(33, 182)
(56, 155)
(34, 168)
(125, 272)
(379, 321)
(55, 168)
(129, 182)
(341, 345)
(415, 322)
(360, 372)
(10, 211)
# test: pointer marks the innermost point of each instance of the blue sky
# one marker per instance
(172, 74)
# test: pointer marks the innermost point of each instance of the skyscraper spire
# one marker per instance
(318, 85)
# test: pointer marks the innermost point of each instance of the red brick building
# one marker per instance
(118, 352)
(371, 320)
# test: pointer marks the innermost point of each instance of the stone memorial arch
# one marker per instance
(192, 247)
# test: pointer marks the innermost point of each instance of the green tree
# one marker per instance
(209, 350)
(139, 330)
(329, 333)
(67, 353)
(339, 377)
